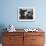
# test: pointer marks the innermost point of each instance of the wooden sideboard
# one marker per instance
(23, 39)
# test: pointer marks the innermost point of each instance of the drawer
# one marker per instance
(12, 39)
(27, 41)
(8, 45)
(27, 37)
(37, 44)
(34, 33)
(37, 39)
(14, 44)
(13, 33)
(34, 39)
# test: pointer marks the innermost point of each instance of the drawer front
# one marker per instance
(34, 33)
(13, 40)
(13, 33)
(33, 40)
(12, 44)
(37, 39)
(37, 45)
(27, 41)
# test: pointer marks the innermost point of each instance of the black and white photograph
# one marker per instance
(26, 14)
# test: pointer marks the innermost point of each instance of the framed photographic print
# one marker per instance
(26, 14)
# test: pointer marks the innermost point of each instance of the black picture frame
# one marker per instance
(26, 14)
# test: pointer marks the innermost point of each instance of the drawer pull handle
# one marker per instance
(33, 39)
(11, 38)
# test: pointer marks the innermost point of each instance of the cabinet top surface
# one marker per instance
(22, 30)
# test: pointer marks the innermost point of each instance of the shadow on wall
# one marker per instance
(2, 26)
